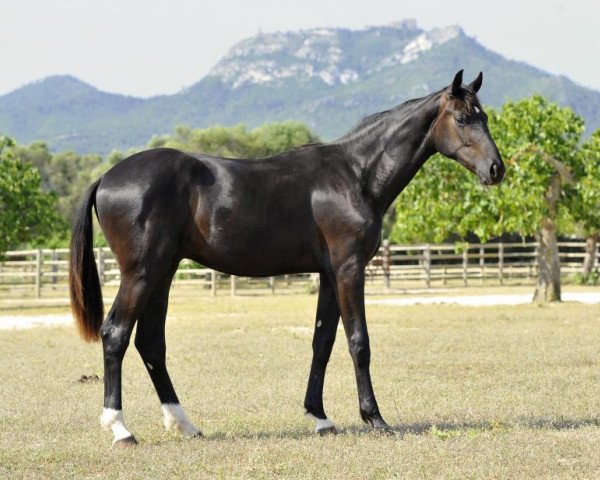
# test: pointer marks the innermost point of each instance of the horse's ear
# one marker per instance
(456, 84)
(476, 84)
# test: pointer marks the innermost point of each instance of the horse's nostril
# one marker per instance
(494, 170)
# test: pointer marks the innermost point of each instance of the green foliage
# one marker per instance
(592, 279)
(276, 137)
(67, 174)
(584, 198)
(28, 213)
(238, 142)
(537, 141)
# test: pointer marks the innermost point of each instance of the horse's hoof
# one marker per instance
(324, 432)
(198, 434)
(125, 442)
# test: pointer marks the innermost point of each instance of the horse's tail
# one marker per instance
(84, 284)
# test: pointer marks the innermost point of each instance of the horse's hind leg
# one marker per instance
(326, 322)
(150, 342)
(116, 333)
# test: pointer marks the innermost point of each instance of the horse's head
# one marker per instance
(460, 131)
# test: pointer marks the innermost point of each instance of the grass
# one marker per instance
(495, 392)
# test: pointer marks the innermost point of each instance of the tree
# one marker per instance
(28, 213)
(237, 141)
(584, 200)
(538, 141)
(542, 140)
(67, 174)
(276, 137)
(38, 155)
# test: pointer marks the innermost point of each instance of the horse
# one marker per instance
(316, 208)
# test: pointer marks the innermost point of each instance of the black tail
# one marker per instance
(84, 284)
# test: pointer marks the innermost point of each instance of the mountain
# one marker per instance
(327, 77)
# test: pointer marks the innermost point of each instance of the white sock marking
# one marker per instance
(175, 418)
(113, 420)
(321, 423)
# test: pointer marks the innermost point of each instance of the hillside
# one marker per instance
(327, 77)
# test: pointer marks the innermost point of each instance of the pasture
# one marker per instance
(488, 392)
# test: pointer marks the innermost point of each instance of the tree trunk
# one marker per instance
(547, 288)
(589, 261)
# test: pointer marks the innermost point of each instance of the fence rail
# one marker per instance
(35, 271)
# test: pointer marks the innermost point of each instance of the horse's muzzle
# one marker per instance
(495, 174)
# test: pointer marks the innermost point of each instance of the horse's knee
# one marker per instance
(114, 340)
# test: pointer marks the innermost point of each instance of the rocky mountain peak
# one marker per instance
(327, 55)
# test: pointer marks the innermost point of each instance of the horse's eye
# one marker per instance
(460, 120)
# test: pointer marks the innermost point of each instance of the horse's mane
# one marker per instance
(406, 106)
(468, 96)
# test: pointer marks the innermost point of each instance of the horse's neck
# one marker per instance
(390, 151)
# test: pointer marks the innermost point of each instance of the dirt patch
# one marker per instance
(483, 300)
(29, 321)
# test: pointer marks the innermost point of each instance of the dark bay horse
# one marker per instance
(316, 208)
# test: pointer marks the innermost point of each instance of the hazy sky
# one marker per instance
(149, 47)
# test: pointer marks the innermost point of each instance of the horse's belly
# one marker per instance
(258, 252)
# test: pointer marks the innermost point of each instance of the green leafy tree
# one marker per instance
(237, 141)
(28, 213)
(69, 175)
(218, 140)
(273, 138)
(38, 155)
(538, 141)
(584, 199)
(541, 140)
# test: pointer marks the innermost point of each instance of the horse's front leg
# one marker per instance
(350, 279)
(326, 322)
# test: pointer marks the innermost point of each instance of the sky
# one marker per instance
(151, 47)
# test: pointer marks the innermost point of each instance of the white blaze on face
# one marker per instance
(113, 420)
(174, 417)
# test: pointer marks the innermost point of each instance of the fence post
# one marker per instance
(465, 257)
(272, 284)
(54, 265)
(535, 257)
(213, 283)
(232, 280)
(385, 265)
(481, 263)
(501, 262)
(427, 255)
(100, 256)
(38, 273)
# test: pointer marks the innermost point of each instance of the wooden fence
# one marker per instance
(394, 266)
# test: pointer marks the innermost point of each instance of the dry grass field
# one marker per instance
(488, 392)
